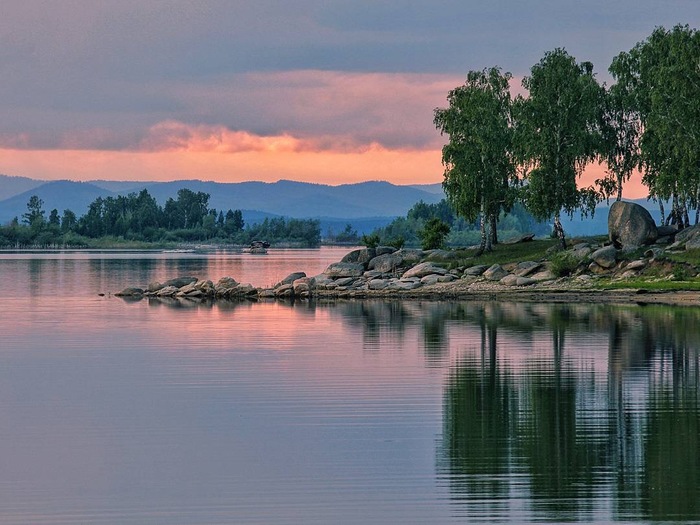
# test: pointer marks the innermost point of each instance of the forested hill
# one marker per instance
(286, 198)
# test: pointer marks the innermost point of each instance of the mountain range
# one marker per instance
(365, 205)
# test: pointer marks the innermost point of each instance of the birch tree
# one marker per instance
(478, 157)
(558, 134)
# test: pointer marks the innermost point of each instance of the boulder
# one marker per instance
(667, 230)
(206, 287)
(423, 269)
(688, 233)
(286, 290)
(581, 250)
(544, 275)
(389, 262)
(179, 282)
(225, 285)
(377, 284)
(154, 286)
(446, 278)
(291, 278)
(605, 257)
(430, 279)
(522, 238)
(476, 270)
(341, 269)
(495, 273)
(525, 268)
(303, 286)
(361, 256)
(167, 291)
(404, 285)
(636, 265)
(345, 281)
(509, 280)
(131, 291)
(631, 225)
(383, 250)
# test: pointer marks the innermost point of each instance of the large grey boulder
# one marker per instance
(361, 256)
(344, 269)
(631, 225)
(179, 282)
(423, 269)
(389, 262)
(131, 291)
(689, 237)
(495, 273)
(605, 257)
(291, 278)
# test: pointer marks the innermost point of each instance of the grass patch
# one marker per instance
(658, 286)
(688, 257)
(506, 253)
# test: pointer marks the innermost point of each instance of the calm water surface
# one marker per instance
(356, 412)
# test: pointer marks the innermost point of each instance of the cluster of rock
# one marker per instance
(387, 271)
(193, 288)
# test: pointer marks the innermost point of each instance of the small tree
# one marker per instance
(558, 134)
(434, 233)
(35, 212)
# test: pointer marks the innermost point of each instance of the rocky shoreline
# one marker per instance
(387, 273)
(636, 249)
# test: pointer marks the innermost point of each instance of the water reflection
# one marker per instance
(549, 412)
(553, 428)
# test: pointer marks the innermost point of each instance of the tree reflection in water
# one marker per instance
(563, 439)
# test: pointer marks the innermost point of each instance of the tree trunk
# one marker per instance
(559, 230)
(664, 219)
(619, 188)
(484, 236)
(494, 233)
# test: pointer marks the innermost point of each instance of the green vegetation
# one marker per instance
(478, 158)
(434, 233)
(533, 149)
(406, 230)
(136, 220)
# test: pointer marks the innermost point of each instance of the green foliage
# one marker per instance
(371, 241)
(680, 273)
(136, 219)
(558, 134)
(564, 263)
(396, 242)
(434, 233)
(659, 79)
(35, 212)
(478, 157)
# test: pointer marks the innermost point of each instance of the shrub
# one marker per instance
(433, 234)
(563, 263)
(371, 240)
(397, 242)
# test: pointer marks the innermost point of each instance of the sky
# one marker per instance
(311, 90)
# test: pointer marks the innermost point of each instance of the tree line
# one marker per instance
(532, 149)
(139, 217)
(433, 225)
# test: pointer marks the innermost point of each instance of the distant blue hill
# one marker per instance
(61, 195)
(364, 203)
(11, 186)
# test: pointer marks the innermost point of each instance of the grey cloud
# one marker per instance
(73, 66)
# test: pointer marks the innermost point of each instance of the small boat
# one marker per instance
(258, 247)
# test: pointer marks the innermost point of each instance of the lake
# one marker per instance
(349, 412)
